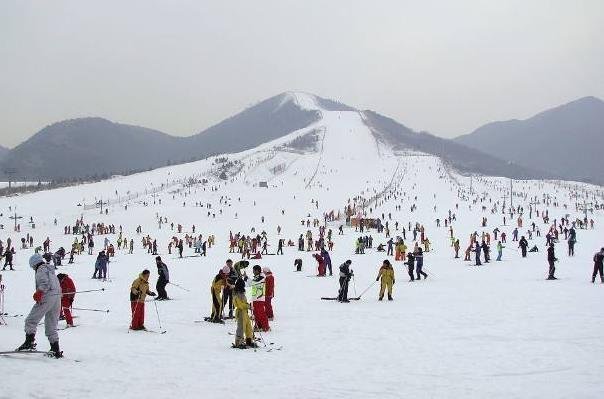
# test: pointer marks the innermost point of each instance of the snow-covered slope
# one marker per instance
(499, 330)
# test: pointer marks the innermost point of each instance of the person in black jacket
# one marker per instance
(598, 266)
(551, 259)
(162, 280)
(523, 244)
(227, 291)
(410, 265)
(345, 275)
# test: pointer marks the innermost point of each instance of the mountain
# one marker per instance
(3, 151)
(461, 157)
(566, 141)
(96, 147)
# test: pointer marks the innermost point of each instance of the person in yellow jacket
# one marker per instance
(400, 250)
(244, 337)
(219, 282)
(138, 292)
(386, 273)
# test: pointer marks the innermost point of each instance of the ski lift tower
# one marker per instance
(10, 173)
(15, 218)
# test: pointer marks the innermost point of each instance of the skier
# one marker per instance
(8, 257)
(227, 291)
(419, 264)
(523, 244)
(48, 305)
(270, 292)
(326, 259)
(345, 275)
(68, 295)
(100, 265)
(499, 250)
(258, 285)
(138, 292)
(321, 264)
(162, 280)
(410, 266)
(215, 290)
(551, 259)
(386, 273)
(598, 262)
(245, 334)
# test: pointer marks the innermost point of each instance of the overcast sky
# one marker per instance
(180, 66)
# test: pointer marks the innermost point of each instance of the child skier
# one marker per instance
(68, 295)
(138, 292)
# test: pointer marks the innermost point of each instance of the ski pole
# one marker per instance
(77, 292)
(181, 287)
(367, 289)
(158, 319)
(92, 310)
(354, 285)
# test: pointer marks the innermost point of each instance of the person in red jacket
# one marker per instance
(321, 263)
(269, 279)
(68, 289)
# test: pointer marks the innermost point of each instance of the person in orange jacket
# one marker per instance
(68, 289)
(269, 279)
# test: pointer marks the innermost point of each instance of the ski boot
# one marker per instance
(29, 344)
(250, 343)
(54, 350)
(390, 297)
(380, 298)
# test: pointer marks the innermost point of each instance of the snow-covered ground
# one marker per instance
(500, 330)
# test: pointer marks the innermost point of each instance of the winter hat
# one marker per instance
(36, 260)
(225, 270)
(266, 270)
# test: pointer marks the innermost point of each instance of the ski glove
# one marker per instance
(152, 294)
(38, 295)
(377, 279)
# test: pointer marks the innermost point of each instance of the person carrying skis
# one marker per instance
(48, 305)
(162, 280)
(345, 275)
(551, 259)
(598, 266)
(138, 292)
(258, 293)
(270, 292)
(68, 289)
(386, 274)
(244, 336)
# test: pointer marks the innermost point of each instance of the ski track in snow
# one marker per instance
(497, 331)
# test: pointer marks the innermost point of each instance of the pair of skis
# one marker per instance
(12, 354)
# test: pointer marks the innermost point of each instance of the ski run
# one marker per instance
(452, 328)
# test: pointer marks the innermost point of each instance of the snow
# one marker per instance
(498, 331)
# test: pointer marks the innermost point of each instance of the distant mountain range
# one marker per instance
(98, 148)
(565, 141)
(3, 152)
(549, 145)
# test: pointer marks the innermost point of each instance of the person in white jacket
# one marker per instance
(48, 305)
